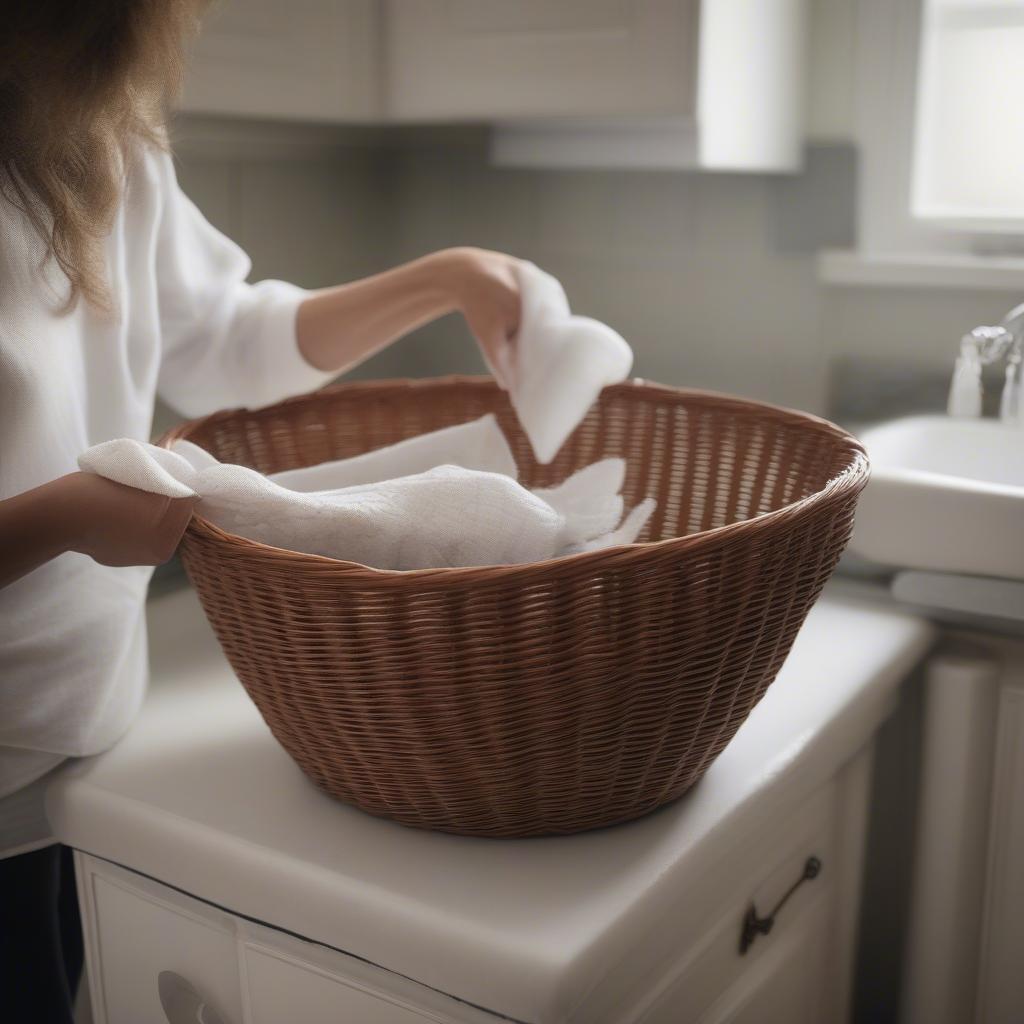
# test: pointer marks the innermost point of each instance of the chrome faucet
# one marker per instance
(982, 347)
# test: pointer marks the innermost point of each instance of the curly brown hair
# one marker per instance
(81, 83)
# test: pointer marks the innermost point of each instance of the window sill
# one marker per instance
(852, 268)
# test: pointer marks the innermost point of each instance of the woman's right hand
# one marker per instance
(112, 523)
(119, 525)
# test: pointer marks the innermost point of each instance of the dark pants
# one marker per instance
(40, 937)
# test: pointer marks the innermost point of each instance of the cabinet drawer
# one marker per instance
(286, 978)
(137, 930)
(306, 59)
(714, 980)
(688, 968)
(469, 59)
(800, 971)
(282, 989)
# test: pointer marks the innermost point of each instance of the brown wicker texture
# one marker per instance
(544, 698)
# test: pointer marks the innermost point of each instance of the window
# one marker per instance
(968, 165)
(940, 137)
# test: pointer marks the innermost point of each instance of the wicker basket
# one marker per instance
(544, 698)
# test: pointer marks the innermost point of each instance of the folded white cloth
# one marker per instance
(559, 364)
(444, 515)
(479, 444)
(627, 532)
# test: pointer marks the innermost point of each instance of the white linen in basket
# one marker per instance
(559, 363)
(437, 515)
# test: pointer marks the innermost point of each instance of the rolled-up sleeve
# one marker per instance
(224, 342)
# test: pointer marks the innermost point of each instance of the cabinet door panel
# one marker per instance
(486, 59)
(306, 59)
(1001, 981)
(787, 986)
(140, 935)
(797, 973)
(281, 989)
(779, 979)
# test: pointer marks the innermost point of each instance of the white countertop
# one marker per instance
(201, 797)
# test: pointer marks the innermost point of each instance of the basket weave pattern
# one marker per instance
(544, 698)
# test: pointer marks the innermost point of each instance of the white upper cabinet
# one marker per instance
(618, 83)
(743, 109)
(311, 60)
(487, 59)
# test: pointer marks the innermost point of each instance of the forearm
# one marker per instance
(110, 522)
(35, 527)
(339, 327)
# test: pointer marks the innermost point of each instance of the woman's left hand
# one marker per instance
(486, 292)
(337, 328)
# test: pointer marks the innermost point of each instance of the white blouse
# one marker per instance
(187, 327)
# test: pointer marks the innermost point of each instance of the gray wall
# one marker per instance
(711, 277)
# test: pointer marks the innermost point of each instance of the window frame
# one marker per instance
(895, 248)
(986, 13)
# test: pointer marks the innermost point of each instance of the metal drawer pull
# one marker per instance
(753, 925)
(182, 1004)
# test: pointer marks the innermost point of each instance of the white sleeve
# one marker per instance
(223, 342)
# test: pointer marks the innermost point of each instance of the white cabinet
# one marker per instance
(800, 970)
(313, 60)
(965, 940)
(490, 59)
(279, 988)
(135, 930)
(1000, 979)
(643, 83)
(742, 110)
(795, 972)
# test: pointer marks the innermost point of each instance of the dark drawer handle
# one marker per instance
(754, 925)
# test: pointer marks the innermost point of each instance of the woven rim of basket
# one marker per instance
(851, 480)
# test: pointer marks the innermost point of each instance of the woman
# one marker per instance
(114, 289)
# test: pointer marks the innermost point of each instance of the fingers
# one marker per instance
(504, 359)
(492, 306)
(172, 525)
(179, 512)
(496, 347)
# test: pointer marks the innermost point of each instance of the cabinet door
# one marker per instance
(488, 59)
(134, 933)
(1001, 981)
(137, 929)
(786, 988)
(781, 978)
(285, 978)
(305, 59)
(280, 990)
(800, 870)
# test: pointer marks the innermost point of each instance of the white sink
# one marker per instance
(945, 495)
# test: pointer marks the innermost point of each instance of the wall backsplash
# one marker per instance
(711, 277)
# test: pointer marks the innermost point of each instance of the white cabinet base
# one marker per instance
(249, 973)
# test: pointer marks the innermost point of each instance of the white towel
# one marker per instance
(447, 516)
(627, 533)
(560, 363)
(479, 444)
(444, 516)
